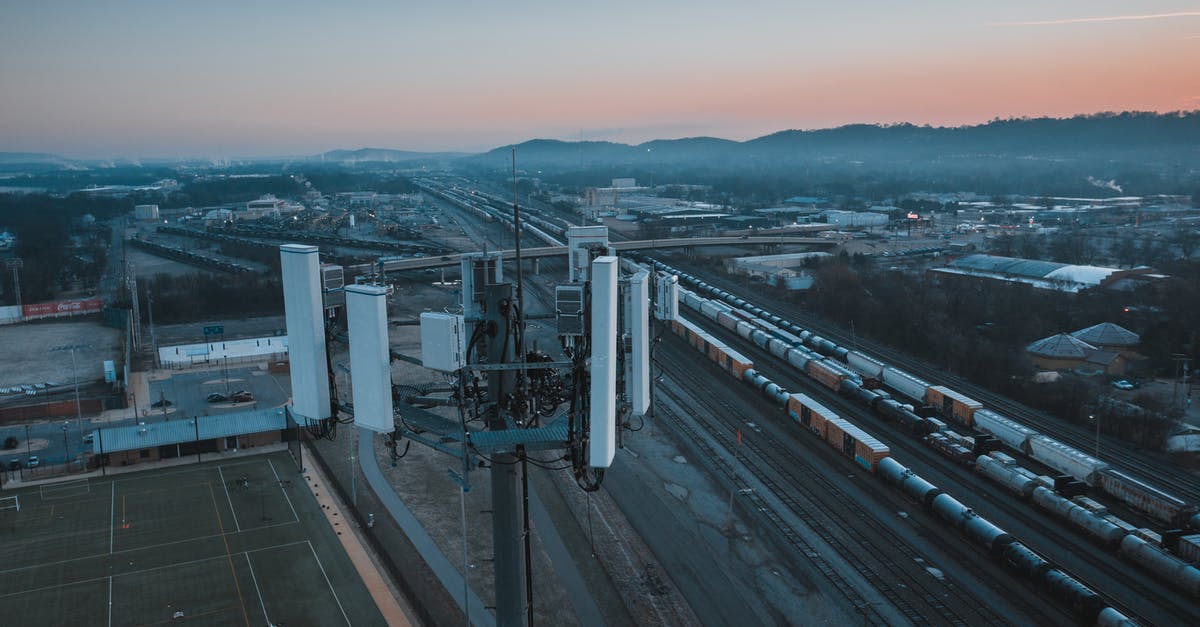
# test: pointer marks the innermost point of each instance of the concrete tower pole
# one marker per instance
(507, 531)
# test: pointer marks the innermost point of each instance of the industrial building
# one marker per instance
(787, 271)
(864, 219)
(1043, 274)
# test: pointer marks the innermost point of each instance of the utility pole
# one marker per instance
(150, 315)
(136, 318)
(16, 264)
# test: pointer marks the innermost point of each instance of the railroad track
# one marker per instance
(1136, 593)
(1180, 482)
(820, 504)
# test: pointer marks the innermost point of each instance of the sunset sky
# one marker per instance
(218, 78)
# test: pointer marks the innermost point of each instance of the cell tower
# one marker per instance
(527, 400)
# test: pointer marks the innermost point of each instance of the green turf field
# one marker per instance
(241, 542)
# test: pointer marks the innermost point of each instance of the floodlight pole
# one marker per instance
(78, 410)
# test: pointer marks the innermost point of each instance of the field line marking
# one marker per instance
(230, 499)
(183, 471)
(257, 590)
(327, 582)
(110, 601)
(146, 570)
(138, 548)
(279, 482)
(112, 517)
(233, 573)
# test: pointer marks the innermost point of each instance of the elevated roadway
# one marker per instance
(419, 263)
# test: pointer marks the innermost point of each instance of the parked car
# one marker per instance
(89, 438)
(242, 396)
(14, 463)
(217, 397)
(33, 462)
(1122, 385)
(162, 402)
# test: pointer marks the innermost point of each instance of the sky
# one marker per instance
(222, 79)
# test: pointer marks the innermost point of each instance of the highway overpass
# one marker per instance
(393, 264)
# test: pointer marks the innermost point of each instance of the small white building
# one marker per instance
(145, 213)
(267, 205)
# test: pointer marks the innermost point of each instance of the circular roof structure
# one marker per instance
(1061, 346)
(1107, 334)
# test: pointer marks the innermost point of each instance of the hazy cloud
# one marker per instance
(1109, 18)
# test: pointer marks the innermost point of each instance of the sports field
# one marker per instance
(239, 543)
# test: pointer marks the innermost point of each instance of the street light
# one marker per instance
(66, 448)
(75, 379)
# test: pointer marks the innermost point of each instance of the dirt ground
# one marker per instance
(147, 266)
(31, 351)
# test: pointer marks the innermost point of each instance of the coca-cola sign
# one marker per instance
(62, 308)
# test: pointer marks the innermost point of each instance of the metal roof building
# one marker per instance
(135, 437)
(1108, 334)
(1061, 346)
(1041, 274)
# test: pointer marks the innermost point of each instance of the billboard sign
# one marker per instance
(62, 308)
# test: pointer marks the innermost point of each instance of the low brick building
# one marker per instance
(123, 446)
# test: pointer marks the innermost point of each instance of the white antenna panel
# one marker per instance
(300, 269)
(603, 432)
(370, 360)
(666, 296)
(637, 321)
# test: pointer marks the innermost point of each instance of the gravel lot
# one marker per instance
(29, 355)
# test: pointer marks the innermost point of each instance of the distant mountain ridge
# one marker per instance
(1129, 136)
(384, 155)
(1167, 136)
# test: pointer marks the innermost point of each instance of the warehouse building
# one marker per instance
(1041, 274)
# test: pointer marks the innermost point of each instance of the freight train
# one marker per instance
(874, 456)
(868, 374)
(1108, 530)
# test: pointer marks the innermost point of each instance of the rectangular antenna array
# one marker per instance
(370, 359)
(603, 431)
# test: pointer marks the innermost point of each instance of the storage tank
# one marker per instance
(1098, 528)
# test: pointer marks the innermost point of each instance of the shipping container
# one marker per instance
(1189, 548)
(809, 413)
(1008, 431)
(825, 374)
(855, 443)
(736, 363)
(952, 405)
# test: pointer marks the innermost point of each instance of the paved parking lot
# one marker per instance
(187, 391)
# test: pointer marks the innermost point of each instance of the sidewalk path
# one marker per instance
(385, 598)
(451, 579)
